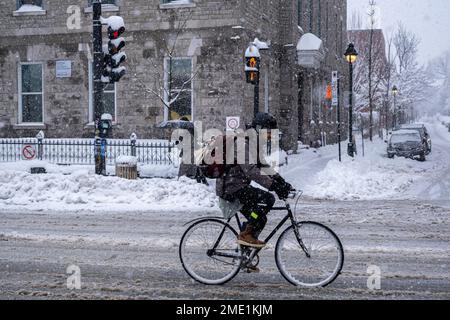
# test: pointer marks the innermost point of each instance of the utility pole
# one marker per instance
(256, 98)
(98, 85)
(339, 119)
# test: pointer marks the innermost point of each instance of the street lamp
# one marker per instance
(351, 55)
(395, 93)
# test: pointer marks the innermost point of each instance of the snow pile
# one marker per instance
(373, 177)
(363, 179)
(309, 42)
(127, 160)
(82, 190)
(29, 8)
(160, 171)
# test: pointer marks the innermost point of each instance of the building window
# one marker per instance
(37, 4)
(29, 8)
(113, 2)
(168, 4)
(107, 6)
(30, 93)
(109, 97)
(178, 83)
(319, 18)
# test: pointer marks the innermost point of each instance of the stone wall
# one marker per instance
(216, 35)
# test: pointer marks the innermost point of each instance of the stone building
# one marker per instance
(46, 64)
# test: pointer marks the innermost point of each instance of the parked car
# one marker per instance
(407, 143)
(423, 133)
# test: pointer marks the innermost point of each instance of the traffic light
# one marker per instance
(252, 64)
(113, 58)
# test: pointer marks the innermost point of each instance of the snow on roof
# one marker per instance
(115, 22)
(261, 45)
(106, 116)
(252, 51)
(404, 132)
(309, 42)
(413, 126)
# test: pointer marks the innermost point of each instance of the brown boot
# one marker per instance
(246, 238)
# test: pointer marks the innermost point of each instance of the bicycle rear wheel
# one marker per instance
(325, 260)
(209, 252)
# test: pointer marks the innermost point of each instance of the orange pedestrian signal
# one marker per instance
(252, 69)
(329, 93)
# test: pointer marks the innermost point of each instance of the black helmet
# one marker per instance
(264, 121)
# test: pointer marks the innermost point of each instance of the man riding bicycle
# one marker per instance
(256, 203)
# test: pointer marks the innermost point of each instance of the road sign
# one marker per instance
(28, 152)
(233, 123)
(334, 87)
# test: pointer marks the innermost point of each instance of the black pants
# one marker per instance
(257, 204)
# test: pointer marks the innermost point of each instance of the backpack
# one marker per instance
(212, 160)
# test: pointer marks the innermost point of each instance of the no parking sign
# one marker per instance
(233, 123)
(28, 152)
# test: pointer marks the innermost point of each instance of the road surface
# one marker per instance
(135, 255)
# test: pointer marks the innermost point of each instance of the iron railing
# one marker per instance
(81, 151)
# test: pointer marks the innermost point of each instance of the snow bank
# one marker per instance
(82, 190)
(364, 179)
(373, 177)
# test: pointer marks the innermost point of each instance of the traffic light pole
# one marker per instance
(339, 119)
(256, 98)
(98, 85)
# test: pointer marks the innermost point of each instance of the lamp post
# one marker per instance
(351, 55)
(395, 93)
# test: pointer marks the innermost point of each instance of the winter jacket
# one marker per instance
(238, 177)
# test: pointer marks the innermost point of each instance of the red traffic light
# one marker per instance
(114, 34)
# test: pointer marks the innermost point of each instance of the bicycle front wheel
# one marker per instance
(309, 255)
(209, 252)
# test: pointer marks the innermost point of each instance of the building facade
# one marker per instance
(194, 47)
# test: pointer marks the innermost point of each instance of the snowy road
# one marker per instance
(134, 255)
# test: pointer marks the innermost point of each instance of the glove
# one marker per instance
(281, 188)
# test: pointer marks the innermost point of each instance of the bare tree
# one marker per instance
(163, 85)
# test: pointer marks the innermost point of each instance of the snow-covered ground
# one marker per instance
(317, 172)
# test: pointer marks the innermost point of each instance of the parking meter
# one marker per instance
(104, 128)
(105, 125)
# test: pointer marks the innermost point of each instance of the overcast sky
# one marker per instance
(429, 19)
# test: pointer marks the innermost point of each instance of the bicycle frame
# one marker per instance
(255, 251)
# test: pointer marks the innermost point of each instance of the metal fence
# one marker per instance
(81, 151)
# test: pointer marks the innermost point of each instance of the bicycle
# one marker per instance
(210, 254)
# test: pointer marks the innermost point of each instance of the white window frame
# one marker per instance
(91, 96)
(20, 115)
(106, 7)
(171, 5)
(166, 85)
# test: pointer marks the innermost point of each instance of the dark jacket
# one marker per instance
(238, 177)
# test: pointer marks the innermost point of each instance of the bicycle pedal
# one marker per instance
(253, 270)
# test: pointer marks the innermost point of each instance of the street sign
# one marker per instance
(28, 152)
(334, 89)
(233, 123)
(63, 69)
